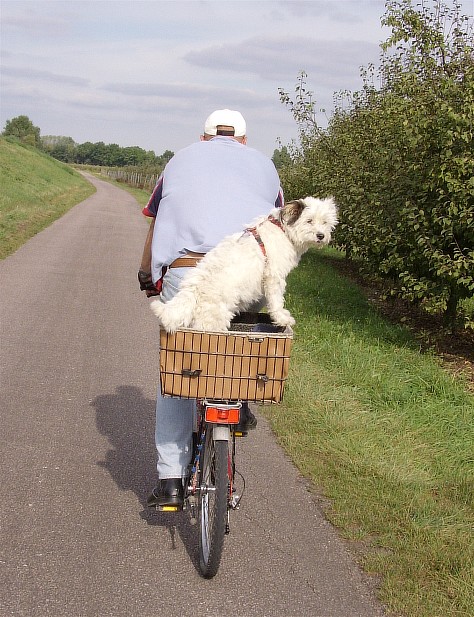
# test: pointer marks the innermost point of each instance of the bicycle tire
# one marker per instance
(213, 504)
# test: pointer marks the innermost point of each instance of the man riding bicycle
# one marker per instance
(211, 189)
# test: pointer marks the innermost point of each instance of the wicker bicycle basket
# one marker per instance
(249, 362)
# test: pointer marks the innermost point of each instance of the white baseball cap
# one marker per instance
(225, 117)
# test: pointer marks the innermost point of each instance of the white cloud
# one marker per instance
(20, 73)
(148, 72)
(276, 58)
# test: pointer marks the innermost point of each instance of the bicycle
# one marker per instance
(222, 371)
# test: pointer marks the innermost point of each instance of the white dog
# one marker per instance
(245, 268)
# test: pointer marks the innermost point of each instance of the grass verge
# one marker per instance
(387, 435)
(35, 191)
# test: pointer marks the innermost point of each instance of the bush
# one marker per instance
(398, 158)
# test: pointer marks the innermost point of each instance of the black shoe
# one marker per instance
(247, 420)
(168, 492)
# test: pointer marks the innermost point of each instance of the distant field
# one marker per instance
(34, 191)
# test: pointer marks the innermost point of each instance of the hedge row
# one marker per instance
(399, 158)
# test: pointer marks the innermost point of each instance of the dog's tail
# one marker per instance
(177, 313)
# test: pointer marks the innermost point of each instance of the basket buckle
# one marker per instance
(187, 372)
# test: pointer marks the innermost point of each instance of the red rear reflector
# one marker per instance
(222, 415)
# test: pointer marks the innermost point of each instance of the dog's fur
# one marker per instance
(236, 273)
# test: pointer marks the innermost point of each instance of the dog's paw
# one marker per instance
(283, 318)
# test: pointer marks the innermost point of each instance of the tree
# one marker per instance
(165, 157)
(23, 129)
(59, 147)
(398, 157)
(86, 153)
(281, 158)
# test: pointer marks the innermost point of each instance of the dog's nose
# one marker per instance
(320, 236)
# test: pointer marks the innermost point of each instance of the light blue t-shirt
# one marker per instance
(207, 191)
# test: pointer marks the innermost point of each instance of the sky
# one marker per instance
(148, 73)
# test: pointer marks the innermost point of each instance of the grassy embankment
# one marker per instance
(34, 191)
(386, 436)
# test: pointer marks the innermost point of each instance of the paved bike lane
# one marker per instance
(78, 361)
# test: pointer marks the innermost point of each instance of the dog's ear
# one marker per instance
(292, 211)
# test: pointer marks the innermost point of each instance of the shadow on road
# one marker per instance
(127, 419)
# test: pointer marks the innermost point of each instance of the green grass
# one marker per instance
(388, 436)
(34, 191)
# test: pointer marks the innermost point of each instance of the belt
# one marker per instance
(187, 262)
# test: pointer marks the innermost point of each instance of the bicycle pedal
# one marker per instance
(240, 433)
(169, 508)
(235, 502)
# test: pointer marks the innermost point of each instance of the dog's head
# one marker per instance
(309, 221)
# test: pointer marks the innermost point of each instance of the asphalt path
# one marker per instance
(79, 361)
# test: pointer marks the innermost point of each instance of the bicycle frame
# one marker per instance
(222, 419)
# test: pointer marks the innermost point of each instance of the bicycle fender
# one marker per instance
(221, 433)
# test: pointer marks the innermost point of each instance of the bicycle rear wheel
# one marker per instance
(213, 504)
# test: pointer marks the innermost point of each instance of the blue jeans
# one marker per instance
(174, 416)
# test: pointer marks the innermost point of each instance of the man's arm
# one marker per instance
(144, 273)
(151, 209)
(146, 257)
